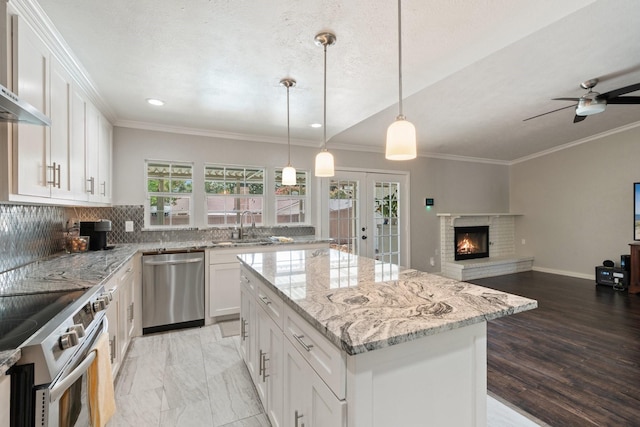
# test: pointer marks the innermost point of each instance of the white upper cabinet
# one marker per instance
(69, 162)
(31, 77)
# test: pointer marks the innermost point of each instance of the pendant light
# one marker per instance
(324, 159)
(289, 172)
(401, 134)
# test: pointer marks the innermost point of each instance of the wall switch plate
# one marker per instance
(524, 241)
(432, 261)
(128, 226)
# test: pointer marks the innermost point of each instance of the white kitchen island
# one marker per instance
(332, 339)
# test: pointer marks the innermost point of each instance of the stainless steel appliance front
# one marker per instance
(172, 291)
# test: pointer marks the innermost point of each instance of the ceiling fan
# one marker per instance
(594, 102)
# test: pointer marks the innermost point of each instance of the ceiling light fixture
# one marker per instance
(316, 125)
(154, 101)
(324, 159)
(289, 172)
(401, 134)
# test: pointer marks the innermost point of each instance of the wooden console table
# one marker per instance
(634, 280)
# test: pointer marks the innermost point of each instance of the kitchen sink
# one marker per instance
(243, 242)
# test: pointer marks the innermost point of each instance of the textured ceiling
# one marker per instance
(473, 69)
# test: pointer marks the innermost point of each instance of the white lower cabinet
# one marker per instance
(5, 399)
(308, 402)
(270, 375)
(122, 289)
(248, 326)
(292, 392)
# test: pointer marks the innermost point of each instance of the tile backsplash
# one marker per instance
(29, 233)
(32, 232)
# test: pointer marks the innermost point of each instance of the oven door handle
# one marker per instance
(58, 390)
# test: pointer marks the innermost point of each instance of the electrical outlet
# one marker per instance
(128, 226)
(524, 241)
(432, 261)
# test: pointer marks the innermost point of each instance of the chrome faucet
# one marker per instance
(253, 223)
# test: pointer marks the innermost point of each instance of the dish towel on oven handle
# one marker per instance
(102, 403)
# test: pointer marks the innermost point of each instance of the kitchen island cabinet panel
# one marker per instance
(412, 345)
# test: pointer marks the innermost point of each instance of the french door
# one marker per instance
(366, 214)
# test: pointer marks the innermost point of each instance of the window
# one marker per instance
(231, 190)
(169, 193)
(291, 200)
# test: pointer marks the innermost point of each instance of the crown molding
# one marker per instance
(31, 13)
(575, 143)
(213, 133)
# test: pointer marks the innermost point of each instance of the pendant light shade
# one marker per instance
(324, 164)
(324, 159)
(401, 140)
(401, 135)
(289, 175)
(289, 172)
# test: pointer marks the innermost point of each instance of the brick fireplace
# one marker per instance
(500, 257)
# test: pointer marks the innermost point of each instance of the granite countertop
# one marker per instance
(361, 304)
(68, 272)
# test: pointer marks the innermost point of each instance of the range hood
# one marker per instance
(12, 109)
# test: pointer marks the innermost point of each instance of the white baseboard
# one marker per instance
(565, 273)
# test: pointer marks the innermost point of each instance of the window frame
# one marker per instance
(169, 194)
(306, 198)
(264, 214)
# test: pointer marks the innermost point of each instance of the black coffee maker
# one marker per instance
(97, 231)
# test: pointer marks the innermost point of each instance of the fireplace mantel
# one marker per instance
(490, 216)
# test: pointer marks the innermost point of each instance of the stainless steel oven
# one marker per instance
(49, 382)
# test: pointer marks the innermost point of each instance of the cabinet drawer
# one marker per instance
(248, 282)
(220, 257)
(271, 303)
(324, 357)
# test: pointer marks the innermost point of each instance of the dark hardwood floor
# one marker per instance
(573, 361)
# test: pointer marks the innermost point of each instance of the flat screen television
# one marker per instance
(636, 211)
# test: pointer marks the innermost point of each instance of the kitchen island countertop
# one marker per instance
(361, 304)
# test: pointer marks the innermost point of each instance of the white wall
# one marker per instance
(577, 204)
(456, 186)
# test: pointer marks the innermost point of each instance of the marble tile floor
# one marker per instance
(196, 378)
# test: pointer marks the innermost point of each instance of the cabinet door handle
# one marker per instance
(260, 362)
(242, 326)
(130, 312)
(264, 299)
(54, 169)
(306, 346)
(104, 188)
(263, 355)
(297, 418)
(91, 189)
(245, 278)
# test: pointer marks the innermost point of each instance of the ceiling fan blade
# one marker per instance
(578, 118)
(566, 99)
(617, 92)
(549, 112)
(624, 100)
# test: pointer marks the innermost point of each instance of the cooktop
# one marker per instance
(21, 316)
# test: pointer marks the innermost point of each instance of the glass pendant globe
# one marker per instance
(324, 164)
(289, 176)
(401, 140)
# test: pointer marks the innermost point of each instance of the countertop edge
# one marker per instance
(353, 350)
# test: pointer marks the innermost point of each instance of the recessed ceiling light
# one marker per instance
(316, 125)
(154, 101)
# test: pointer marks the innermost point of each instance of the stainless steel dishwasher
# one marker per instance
(172, 290)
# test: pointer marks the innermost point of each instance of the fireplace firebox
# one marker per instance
(471, 242)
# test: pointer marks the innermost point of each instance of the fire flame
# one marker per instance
(466, 246)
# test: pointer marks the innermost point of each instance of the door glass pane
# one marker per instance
(343, 215)
(387, 248)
